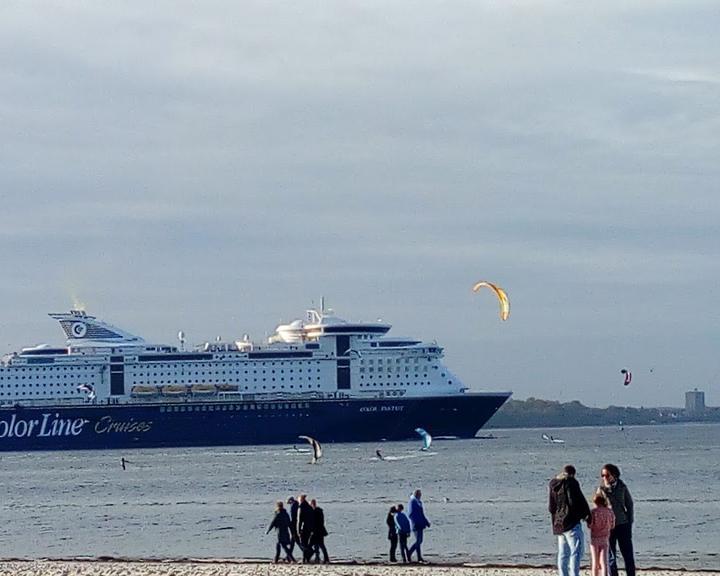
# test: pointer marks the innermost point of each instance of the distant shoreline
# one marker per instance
(237, 567)
(538, 413)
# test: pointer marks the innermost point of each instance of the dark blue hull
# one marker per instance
(196, 423)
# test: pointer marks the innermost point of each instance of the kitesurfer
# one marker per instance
(419, 524)
(281, 523)
(379, 455)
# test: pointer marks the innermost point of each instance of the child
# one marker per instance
(603, 521)
(402, 524)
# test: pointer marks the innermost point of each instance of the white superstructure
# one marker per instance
(320, 356)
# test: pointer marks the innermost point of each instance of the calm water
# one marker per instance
(485, 498)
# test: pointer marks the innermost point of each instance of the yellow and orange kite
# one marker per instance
(502, 297)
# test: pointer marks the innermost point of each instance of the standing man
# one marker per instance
(317, 538)
(568, 507)
(419, 523)
(293, 507)
(305, 524)
(622, 506)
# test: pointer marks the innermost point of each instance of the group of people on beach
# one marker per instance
(609, 521)
(400, 525)
(303, 526)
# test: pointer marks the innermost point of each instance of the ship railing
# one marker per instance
(46, 402)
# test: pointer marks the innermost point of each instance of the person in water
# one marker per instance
(419, 524)
(603, 521)
(281, 524)
(568, 507)
(317, 538)
(622, 506)
(402, 526)
(392, 533)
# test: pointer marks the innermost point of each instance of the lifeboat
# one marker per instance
(203, 389)
(174, 390)
(227, 387)
(143, 391)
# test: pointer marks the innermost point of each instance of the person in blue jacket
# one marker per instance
(402, 525)
(419, 523)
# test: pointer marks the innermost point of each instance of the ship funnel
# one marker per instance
(80, 328)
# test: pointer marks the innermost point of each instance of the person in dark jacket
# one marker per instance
(281, 523)
(622, 506)
(293, 506)
(419, 523)
(317, 538)
(568, 507)
(392, 533)
(402, 525)
(305, 523)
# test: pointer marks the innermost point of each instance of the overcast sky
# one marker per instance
(218, 166)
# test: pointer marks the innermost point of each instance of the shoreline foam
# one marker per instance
(239, 567)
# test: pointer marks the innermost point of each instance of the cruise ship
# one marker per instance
(319, 376)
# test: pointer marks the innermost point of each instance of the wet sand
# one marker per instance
(224, 568)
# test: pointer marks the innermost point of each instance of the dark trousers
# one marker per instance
(621, 536)
(293, 540)
(416, 547)
(305, 545)
(288, 551)
(402, 538)
(319, 546)
(393, 537)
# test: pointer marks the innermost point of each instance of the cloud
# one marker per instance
(219, 165)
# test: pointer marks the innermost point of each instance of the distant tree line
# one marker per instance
(537, 413)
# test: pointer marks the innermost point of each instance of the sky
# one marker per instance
(217, 167)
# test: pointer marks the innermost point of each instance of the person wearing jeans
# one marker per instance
(568, 508)
(419, 523)
(571, 545)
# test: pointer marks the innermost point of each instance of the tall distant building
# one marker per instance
(695, 401)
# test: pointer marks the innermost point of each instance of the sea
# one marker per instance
(486, 498)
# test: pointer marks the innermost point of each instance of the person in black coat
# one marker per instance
(317, 538)
(305, 524)
(568, 507)
(281, 523)
(293, 506)
(392, 533)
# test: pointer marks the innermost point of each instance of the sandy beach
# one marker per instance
(225, 568)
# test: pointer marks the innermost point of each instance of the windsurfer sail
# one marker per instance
(427, 439)
(316, 448)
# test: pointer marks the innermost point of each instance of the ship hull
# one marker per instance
(234, 423)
